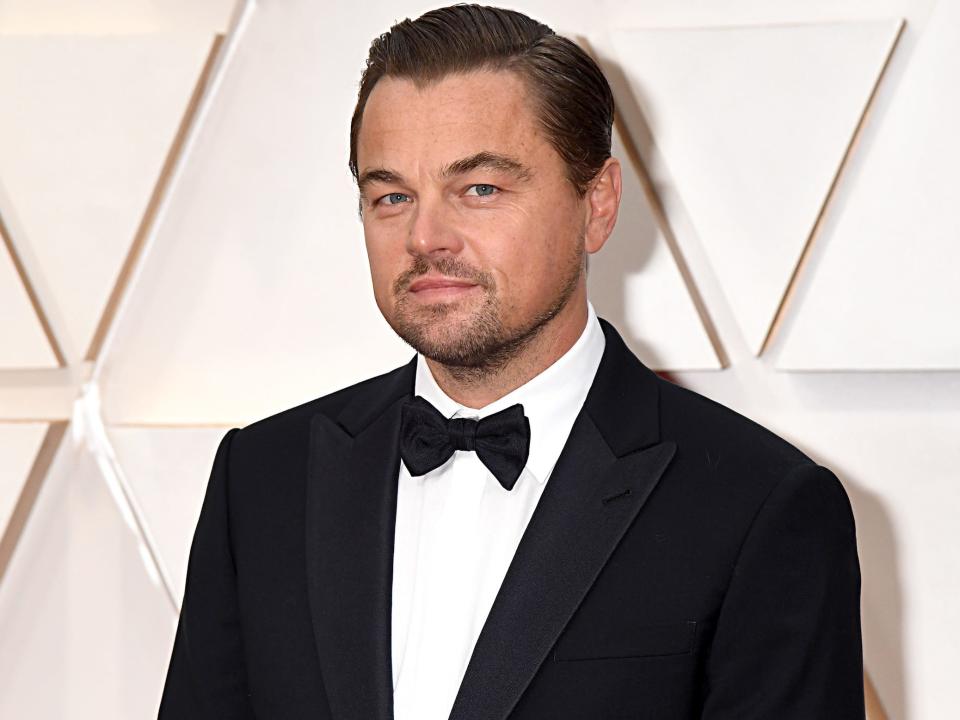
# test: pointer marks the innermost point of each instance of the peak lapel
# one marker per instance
(610, 464)
(351, 503)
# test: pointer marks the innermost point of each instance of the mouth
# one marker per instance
(440, 288)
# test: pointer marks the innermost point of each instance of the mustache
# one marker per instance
(448, 266)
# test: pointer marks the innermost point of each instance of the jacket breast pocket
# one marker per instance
(616, 641)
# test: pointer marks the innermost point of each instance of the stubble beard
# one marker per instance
(480, 346)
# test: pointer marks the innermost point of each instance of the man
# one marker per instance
(524, 521)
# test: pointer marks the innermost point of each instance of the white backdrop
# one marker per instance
(181, 254)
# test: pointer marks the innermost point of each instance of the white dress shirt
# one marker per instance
(458, 529)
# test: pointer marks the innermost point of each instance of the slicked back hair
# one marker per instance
(572, 98)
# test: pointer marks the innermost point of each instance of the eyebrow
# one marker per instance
(489, 161)
(481, 160)
(377, 175)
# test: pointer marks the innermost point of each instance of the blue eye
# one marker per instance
(482, 190)
(395, 198)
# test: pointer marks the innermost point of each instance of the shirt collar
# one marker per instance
(551, 400)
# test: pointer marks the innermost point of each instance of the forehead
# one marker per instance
(453, 117)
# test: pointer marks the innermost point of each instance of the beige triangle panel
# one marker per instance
(752, 123)
(167, 470)
(882, 284)
(87, 626)
(86, 132)
(875, 709)
(784, 305)
(149, 217)
(17, 512)
(640, 279)
(28, 338)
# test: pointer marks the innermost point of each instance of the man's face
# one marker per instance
(475, 236)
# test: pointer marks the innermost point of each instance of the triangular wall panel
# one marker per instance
(19, 444)
(256, 295)
(635, 283)
(86, 629)
(168, 470)
(86, 124)
(884, 293)
(752, 124)
(23, 343)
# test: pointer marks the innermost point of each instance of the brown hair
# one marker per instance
(573, 99)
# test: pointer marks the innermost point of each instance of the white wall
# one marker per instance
(794, 149)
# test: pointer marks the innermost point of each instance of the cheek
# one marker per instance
(519, 267)
(533, 263)
(382, 262)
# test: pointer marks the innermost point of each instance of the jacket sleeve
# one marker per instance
(207, 677)
(787, 643)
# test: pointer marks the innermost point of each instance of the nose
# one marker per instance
(432, 230)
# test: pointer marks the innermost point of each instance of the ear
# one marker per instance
(603, 204)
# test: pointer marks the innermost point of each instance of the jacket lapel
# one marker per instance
(351, 502)
(610, 464)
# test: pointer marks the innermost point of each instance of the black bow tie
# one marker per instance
(428, 439)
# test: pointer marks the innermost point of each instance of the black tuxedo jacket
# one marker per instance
(682, 562)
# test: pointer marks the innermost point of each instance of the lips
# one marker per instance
(439, 283)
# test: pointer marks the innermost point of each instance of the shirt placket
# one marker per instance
(449, 606)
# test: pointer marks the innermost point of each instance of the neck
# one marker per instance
(478, 389)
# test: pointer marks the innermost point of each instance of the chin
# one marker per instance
(441, 333)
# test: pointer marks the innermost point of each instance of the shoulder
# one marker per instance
(729, 470)
(699, 420)
(728, 451)
(289, 428)
(267, 461)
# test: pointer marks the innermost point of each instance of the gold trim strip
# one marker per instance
(875, 709)
(656, 206)
(156, 197)
(28, 494)
(32, 295)
(798, 269)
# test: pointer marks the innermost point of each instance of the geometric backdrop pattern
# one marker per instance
(664, 322)
(181, 255)
(753, 198)
(891, 252)
(86, 124)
